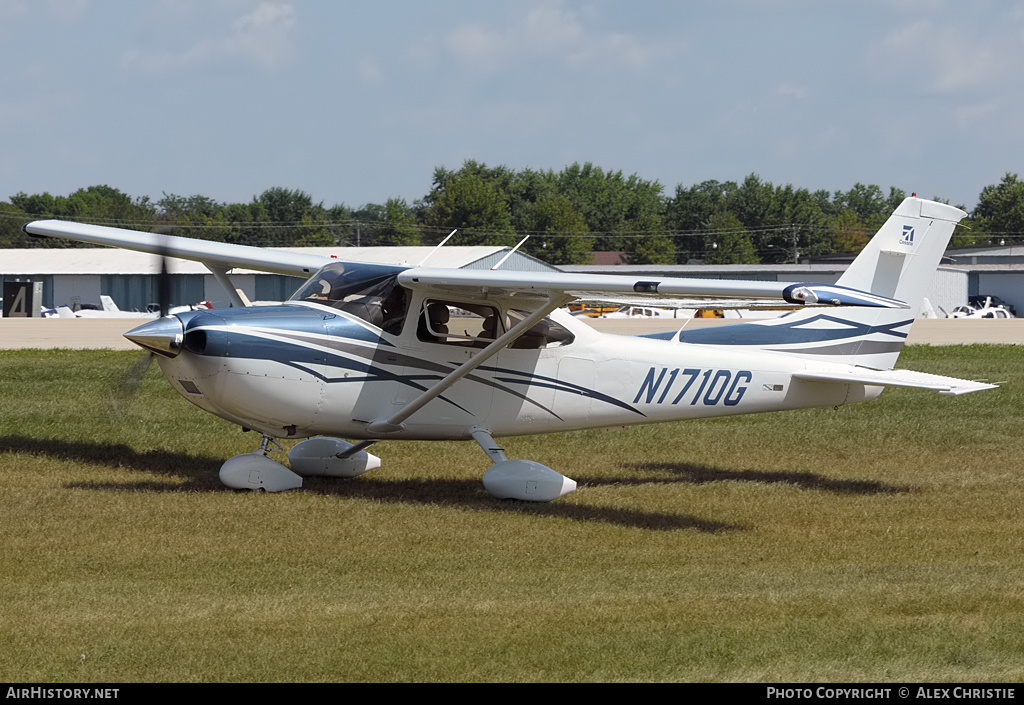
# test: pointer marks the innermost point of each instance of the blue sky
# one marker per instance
(356, 102)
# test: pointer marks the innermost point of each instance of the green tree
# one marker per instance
(41, 205)
(752, 201)
(95, 204)
(312, 231)
(527, 190)
(1000, 209)
(849, 232)
(192, 216)
(102, 205)
(472, 203)
(689, 209)
(607, 200)
(561, 234)
(11, 234)
(107, 205)
(284, 206)
(647, 242)
(171, 206)
(871, 206)
(793, 219)
(281, 216)
(772, 216)
(397, 225)
(728, 241)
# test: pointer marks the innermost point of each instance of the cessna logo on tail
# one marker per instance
(908, 235)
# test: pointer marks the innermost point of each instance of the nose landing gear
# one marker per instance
(257, 471)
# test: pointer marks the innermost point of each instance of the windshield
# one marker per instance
(368, 291)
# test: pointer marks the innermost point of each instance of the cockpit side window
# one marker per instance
(458, 323)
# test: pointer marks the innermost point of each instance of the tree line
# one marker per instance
(569, 215)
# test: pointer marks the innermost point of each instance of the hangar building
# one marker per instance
(75, 276)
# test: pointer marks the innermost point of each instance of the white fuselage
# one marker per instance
(336, 377)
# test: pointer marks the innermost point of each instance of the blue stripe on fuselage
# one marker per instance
(289, 318)
(798, 331)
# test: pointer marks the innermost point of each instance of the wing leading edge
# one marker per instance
(216, 254)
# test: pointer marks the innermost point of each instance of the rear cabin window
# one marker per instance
(458, 323)
(477, 325)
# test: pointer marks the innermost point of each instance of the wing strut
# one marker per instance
(395, 423)
(221, 275)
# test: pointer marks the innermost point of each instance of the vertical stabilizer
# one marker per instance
(901, 258)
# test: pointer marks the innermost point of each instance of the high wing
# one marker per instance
(541, 286)
(525, 286)
(219, 255)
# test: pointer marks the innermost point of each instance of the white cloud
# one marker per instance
(552, 26)
(630, 50)
(551, 32)
(369, 71)
(788, 90)
(972, 115)
(59, 10)
(39, 111)
(423, 55)
(941, 59)
(10, 13)
(479, 47)
(262, 36)
(67, 10)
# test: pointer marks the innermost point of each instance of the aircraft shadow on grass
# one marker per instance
(200, 474)
(701, 474)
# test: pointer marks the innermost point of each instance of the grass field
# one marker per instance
(878, 542)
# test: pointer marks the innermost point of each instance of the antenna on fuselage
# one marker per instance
(431, 253)
(510, 253)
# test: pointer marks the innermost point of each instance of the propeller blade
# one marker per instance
(128, 385)
(163, 286)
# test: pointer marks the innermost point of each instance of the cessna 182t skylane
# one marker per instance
(375, 352)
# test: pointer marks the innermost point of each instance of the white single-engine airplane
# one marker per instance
(375, 352)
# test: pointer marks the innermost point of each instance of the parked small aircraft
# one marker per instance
(374, 352)
(109, 309)
(983, 307)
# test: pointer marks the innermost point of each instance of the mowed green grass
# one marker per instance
(878, 542)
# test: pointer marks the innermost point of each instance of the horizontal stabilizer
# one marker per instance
(897, 378)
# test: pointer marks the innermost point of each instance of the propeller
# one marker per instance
(128, 385)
